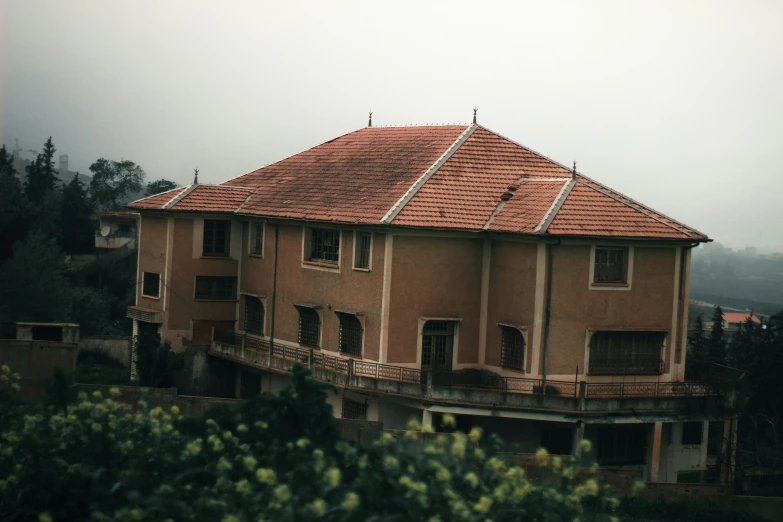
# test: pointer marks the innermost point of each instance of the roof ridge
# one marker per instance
(293, 155)
(639, 208)
(176, 199)
(525, 147)
(252, 193)
(557, 203)
(687, 228)
(158, 194)
(400, 204)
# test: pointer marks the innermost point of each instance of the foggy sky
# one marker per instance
(676, 104)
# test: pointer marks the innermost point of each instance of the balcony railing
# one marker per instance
(343, 371)
(619, 367)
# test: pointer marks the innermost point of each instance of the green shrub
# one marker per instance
(272, 458)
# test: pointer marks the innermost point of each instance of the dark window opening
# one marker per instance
(622, 445)
(354, 410)
(557, 441)
(611, 265)
(48, 333)
(362, 254)
(512, 348)
(216, 237)
(692, 432)
(209, 287)
(350, 334)
(150, 285)
(324, 245)
(437, 345)
(309, 326)
(257, 239)
(254, 315)
(626, 353)
(250, 384)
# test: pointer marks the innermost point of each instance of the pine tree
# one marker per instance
(41, 175)
(698, 353)
(75, 219)
(717, 346)
(13, 206)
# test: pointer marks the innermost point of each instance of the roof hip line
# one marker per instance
(555, 208)
(176, 199)
(400, 204)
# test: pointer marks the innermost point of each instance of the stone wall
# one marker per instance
(35, 361)
(118, 348)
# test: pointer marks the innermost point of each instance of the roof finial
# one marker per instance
(195, 178)
(369, 124)
(474, 115)
(573, 172)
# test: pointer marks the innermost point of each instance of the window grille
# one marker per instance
(350, 334)
(363, 242)
(309, 326)
(209, 287)
(626, 353)
(437, 343)
(512, 348)
(354, 410)
(611, 265)
(254, 315)
(151, 285)
(216, 237)
(257, 239)
(622, 445)
(325, 245)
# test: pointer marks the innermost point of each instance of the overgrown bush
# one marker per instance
(273, 458)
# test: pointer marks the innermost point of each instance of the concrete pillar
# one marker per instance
(655, 451)
(426, 418)
(134, 376)
(238, 381)
(579, 435)
(728, 451)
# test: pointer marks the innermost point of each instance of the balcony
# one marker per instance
(116, 239)
(474, 388)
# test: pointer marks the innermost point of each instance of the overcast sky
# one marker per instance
(677, 104)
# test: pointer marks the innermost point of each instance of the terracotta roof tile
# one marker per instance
(739, 317)
(213, 198)
(527, 207)
(158, 200)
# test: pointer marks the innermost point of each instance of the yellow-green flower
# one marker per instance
(458, 448)
(242, 428)
(475, 434)
(227, 435)
(496, 464)
(175, 410)
(43, 517)
(249, 462)
(333, 477)
(96, 427)
(114, 391)
(557, 462)
(319, 507)
(282, 493)
(6, 369)
(223, 464)
(414, 425)
(194, 448)
(472, 479)
(243, 487)
(449, 421)
(586, 445)
(266, 476)
(483, 505)
(479, 453)
(230, 518)
(443, 474)
(638, 487)
(390, 462)
(542, 457)
(302, 443)
(351, 501)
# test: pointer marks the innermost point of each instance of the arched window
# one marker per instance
(350, 334)
(437, 345)
(254, 315)
(309, 326)
(512, 348)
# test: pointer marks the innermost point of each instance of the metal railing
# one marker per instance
(600, 390)
(615, 367)
(256, 350)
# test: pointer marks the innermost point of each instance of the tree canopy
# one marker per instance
(113, 182)
(41, 175)
(158, 186)
(76, 219)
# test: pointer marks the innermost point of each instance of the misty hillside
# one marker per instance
(738, 279)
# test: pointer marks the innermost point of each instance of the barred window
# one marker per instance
(350, 334)
(512, 348)
(257, 239)
(626, 353)
(611, 265)
(254, 315)
(150, 285)
(362, 250)
(217, 234)
(324, 245)
(437, 343)
(622, 445)
(309, 326)
(210, 287)
(354, 410)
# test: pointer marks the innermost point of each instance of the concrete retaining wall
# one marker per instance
(118, 348)
(35, 361)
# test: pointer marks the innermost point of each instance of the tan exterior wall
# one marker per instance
(152, 257)
(576, 308)
(512, 287)
(434, 277)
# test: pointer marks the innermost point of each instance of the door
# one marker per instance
(437, 346)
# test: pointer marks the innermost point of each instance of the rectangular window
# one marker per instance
(325, 245)
(350, 334)
(437, 344)
(150, 285)
(209, 287)
(622, 445)
(257, 239)
(217, 235)
(512, 348)
(626, 353)
(354, 410)
(557, 441)
(309, 326)
(611, 265)
(361, 256)
(692, 432)
(254, 315)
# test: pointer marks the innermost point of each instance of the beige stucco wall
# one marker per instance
(434, 277)
(152, 256)
(576, 308)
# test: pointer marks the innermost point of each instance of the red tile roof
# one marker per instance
(739, 317)
(453, 177)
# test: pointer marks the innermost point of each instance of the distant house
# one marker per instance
(732, 321)
(440, 269)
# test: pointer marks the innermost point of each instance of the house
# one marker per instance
(732, 322)
(116, 230)
(441, 269)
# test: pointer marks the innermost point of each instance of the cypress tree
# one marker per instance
(14, 213)
(75, 219)
(717, 344)
(41, 175)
